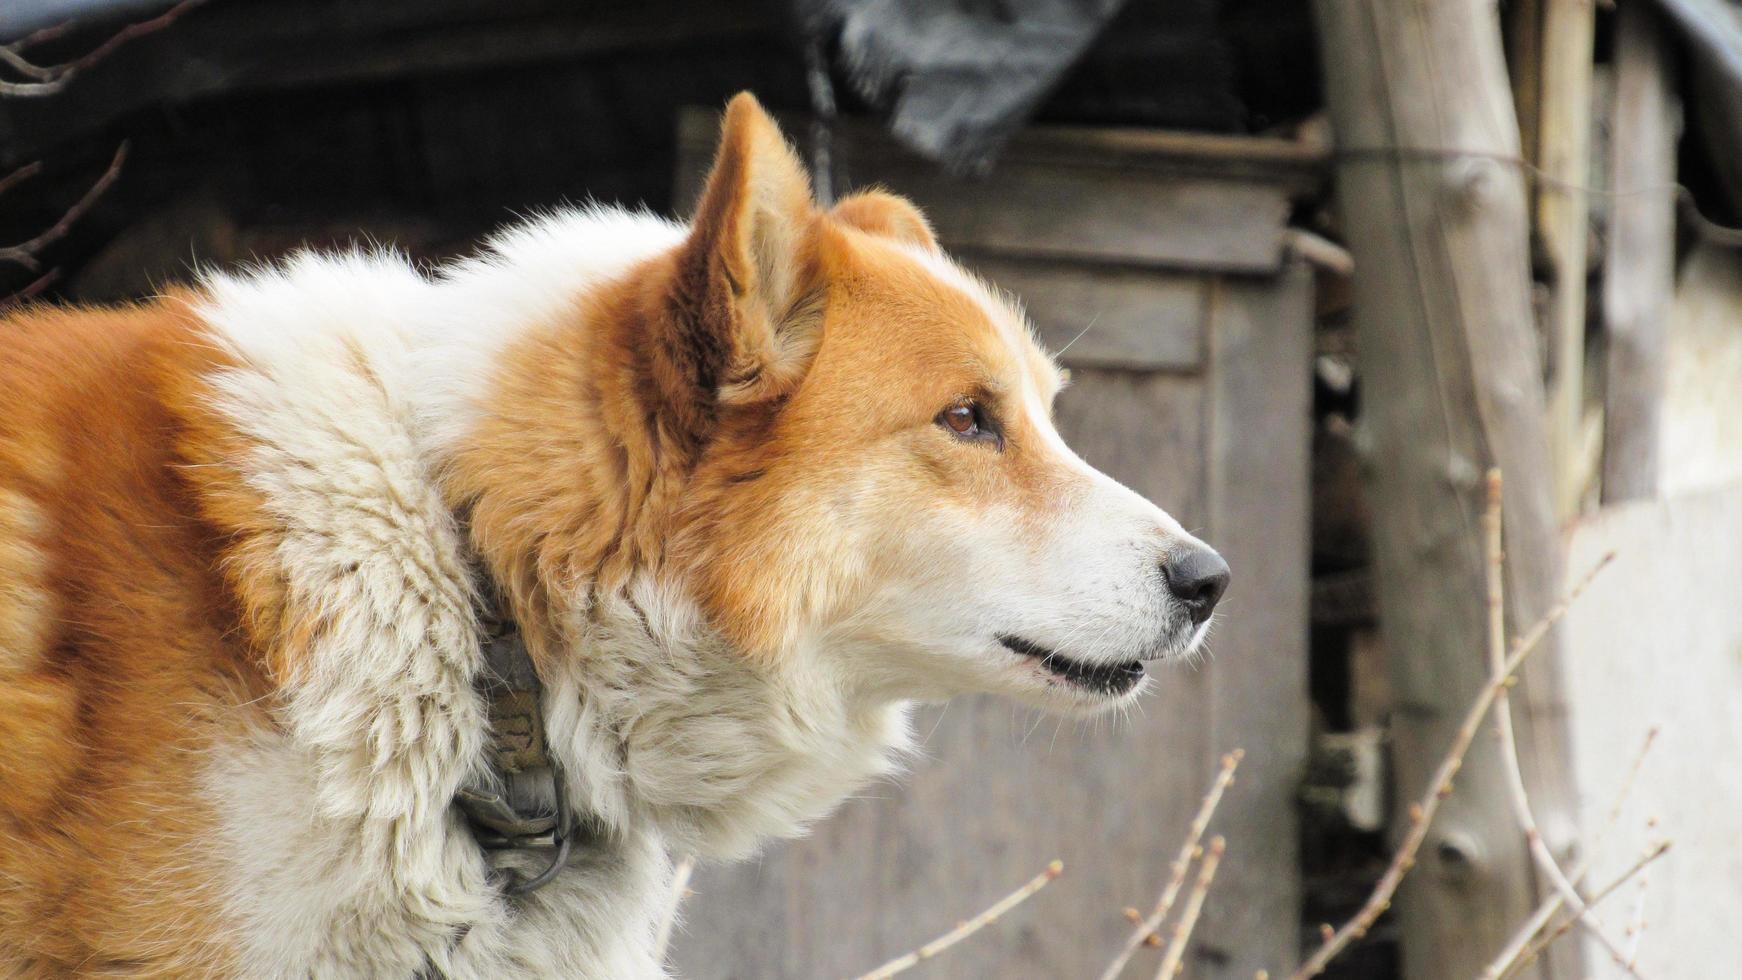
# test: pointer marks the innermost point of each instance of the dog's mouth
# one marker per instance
(1109, 679)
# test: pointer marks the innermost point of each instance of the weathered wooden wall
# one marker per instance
(1192, 388)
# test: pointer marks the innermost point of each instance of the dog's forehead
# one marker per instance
(987, 321)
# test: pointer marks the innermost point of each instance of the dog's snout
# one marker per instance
(1197, 579)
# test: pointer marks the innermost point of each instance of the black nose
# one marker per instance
(1197, 579)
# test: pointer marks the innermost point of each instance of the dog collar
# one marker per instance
(520, 765)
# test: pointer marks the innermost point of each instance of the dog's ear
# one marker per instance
(885, 214)
(747, 297)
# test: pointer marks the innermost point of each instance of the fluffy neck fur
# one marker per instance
(664, 725)
(574, 488)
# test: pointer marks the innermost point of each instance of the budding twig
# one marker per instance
(907, 962)
(1177, 871)
(1182, 932)
(1530, 953)
(1421, 814)
(1636, 925)
(1517, 795)
(1176, 947)
(1514, 947)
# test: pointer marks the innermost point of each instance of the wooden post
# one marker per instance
(1564, 154)
(1452, 385)
(1639, 277)
(1524, 57)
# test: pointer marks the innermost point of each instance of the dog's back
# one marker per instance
(110, 620)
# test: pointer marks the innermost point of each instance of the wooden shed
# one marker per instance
(1157, 264)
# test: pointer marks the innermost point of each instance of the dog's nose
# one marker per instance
(1197, 579)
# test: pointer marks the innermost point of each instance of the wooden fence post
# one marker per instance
(1452, 384)
(1639, 273)
(1563, 220)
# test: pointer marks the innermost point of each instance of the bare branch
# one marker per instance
(1528, 955)
(1182, 932)
(1515, 946)
(31, 291)
(903, 963)
(19, 176)
(1518, 796)
(19, 63)
(1177, 871)
(51, 79)
(1421, 814)
(26, 253)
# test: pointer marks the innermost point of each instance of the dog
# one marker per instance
(735, 493)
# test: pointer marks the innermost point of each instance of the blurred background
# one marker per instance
(1318, 267)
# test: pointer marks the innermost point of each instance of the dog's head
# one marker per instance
(877, 482)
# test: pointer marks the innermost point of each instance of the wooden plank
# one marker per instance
(1298, 165)
(1451, 385)
(1563, 223)
(1260, 430)
(1106, 317)
(1087, 205)
(1639, 270)
(999, 791)
(1192, 223)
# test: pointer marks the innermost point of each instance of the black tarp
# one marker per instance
(957, 76)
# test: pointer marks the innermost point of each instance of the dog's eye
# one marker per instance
(969, 422)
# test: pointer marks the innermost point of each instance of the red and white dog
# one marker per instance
(748, 487)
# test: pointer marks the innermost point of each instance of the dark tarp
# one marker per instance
(1713, 93)
(958, 76)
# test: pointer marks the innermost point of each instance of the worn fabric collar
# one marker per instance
(520, 765)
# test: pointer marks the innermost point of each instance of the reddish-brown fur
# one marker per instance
(119, 649)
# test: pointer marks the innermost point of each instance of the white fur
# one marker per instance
(1089, 586)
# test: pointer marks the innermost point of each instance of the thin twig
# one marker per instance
(1517, 795)
(52, 32)
(1421, 814)
(1182, 932)
(9, 54)
(50, 79)
(26, 253)
(962, 931)
(1530, 953)
(31, 291)
(680, 884)
(1636, 925)
(1515, 946)
(1177, 871)
(20, 175)
(1621, 796)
